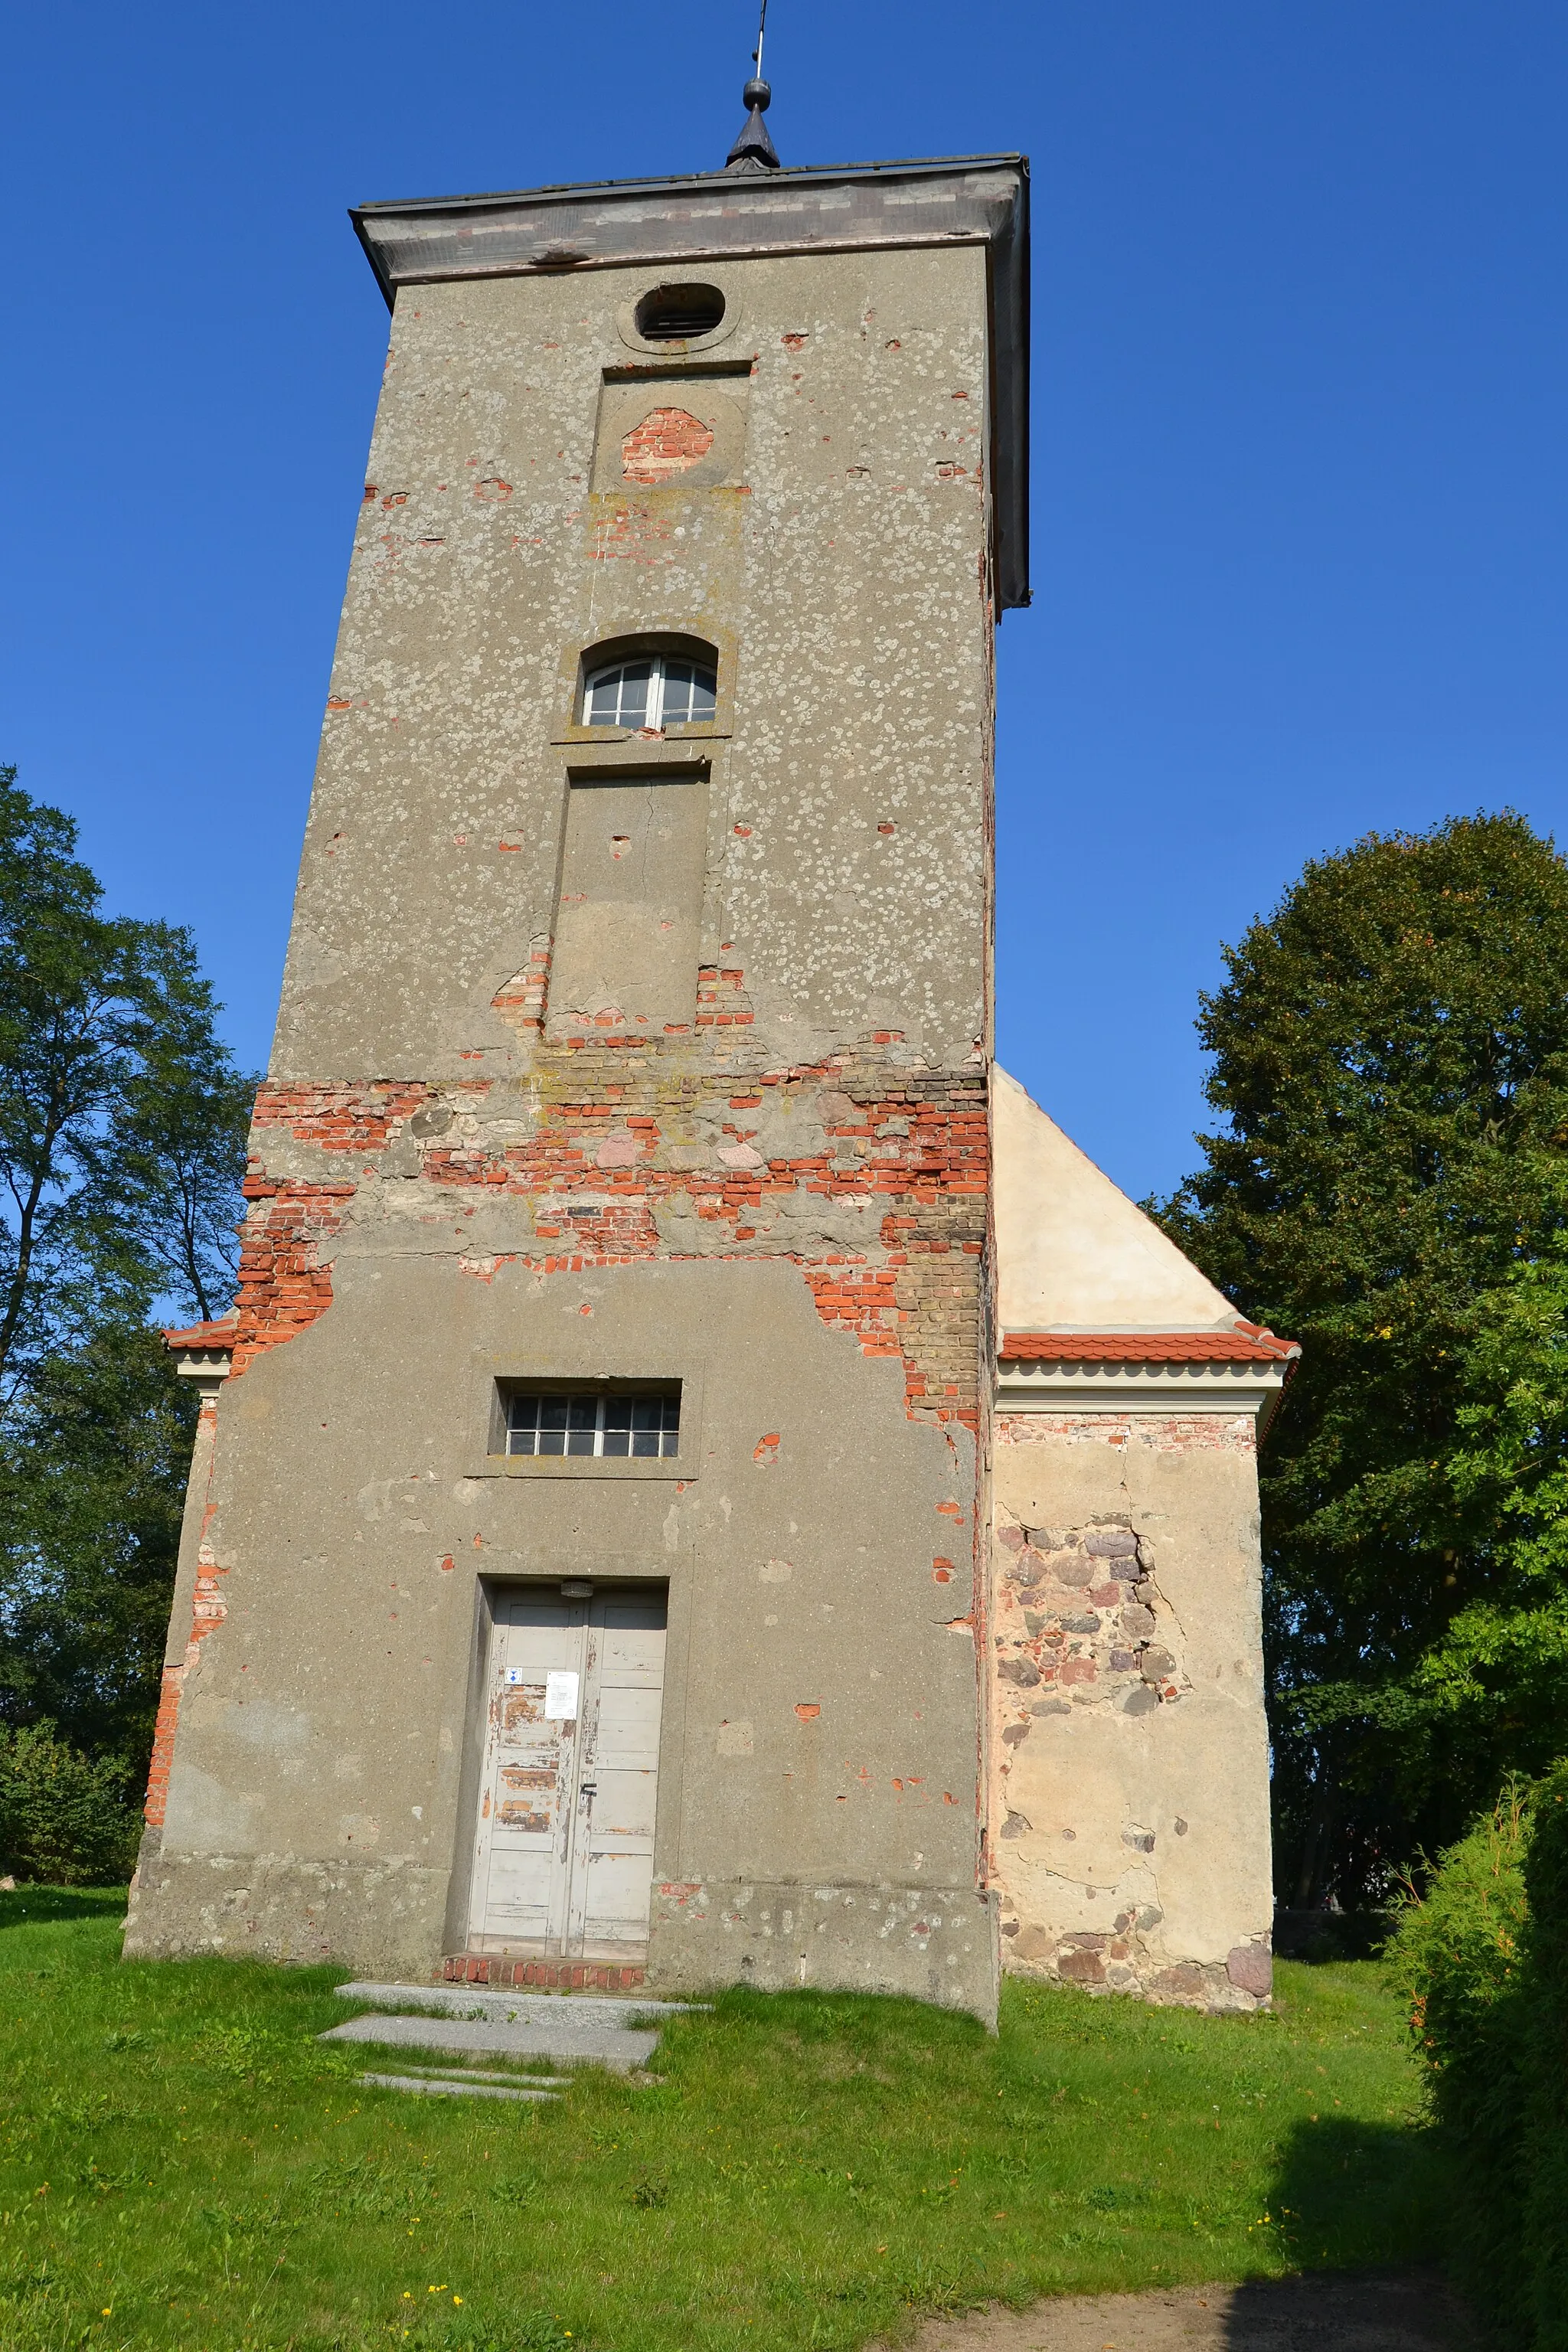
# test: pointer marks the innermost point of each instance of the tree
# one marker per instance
(92, 1476)
(1485, 1701)
(1391, 1061)
(122, 1115)
(121, 1144)
(182, 1159)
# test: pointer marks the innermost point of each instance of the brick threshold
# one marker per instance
(547, 1975)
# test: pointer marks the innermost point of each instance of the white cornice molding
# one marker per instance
(1025, 1386)
(205, 1366)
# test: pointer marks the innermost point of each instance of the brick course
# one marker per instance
(552, 1976)
(606, 1154)
(1159, 1433)
(667, 442)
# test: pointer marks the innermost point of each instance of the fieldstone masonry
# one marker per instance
(1115, 1708)
(1129, 1762)
(1087, 1597)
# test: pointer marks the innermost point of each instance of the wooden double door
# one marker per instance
(563, 1855)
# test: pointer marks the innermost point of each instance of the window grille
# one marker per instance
(656, 690)
(643, 1422)
(675, 314)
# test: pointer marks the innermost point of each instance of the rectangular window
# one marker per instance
(630, 1421)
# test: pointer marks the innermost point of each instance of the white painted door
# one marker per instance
(563, 1861)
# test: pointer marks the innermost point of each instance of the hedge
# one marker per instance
(1483, 1959)
(66, 1819)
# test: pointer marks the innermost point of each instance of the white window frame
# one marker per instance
(525, 1439)
(654, 719)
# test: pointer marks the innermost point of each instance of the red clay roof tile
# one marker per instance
(1249, 1344)
(202, 1335)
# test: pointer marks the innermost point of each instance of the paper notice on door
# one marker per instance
(561, 1699)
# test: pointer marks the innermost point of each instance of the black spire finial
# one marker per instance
(753, 150)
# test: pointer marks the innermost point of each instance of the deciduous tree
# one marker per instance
(121, 1144)
(122, 1115)
(1391, 1065)
(92, 1479)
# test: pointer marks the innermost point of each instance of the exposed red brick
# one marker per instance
(283, 1286)
(484, 1968)
(208, 1609)
(667, 442)
(1159, 1433)
(340, 1118)
(923, 1155)
(631, 534)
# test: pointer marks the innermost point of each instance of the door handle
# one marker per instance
(588, 1789)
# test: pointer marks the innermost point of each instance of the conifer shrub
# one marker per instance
(1483, 1961)
(1544, 2056)
(66, 1819)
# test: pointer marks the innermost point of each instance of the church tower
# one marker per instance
(585, 1560)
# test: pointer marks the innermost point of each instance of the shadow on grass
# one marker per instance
(1352, 2195)
(35, 1905)
(1366, 2311)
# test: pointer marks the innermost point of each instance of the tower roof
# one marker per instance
(727, 215)
(753, 150)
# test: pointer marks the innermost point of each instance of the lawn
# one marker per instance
(182, 2163)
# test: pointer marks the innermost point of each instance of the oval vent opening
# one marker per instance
(676, 314)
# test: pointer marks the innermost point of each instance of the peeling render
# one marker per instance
(751, 1158)
(1130, 1769)
(879, 1202)
(668, 1057)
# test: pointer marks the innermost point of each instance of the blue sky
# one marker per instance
(1300, 456)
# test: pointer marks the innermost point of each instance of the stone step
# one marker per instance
(482, 2074)
(489, 2000)
(566, 2035)
(446, 2087)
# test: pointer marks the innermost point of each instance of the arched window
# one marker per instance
(651, 690)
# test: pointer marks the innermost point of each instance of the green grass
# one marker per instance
(182, 2164)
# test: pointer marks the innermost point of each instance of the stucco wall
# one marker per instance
(839, 568)
(1073, 1254)
(313, 1804)
(780, 1198)
(1131, 1757)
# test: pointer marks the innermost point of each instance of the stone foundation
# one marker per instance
(935, 1944)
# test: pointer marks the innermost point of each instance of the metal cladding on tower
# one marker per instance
(753, 150)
